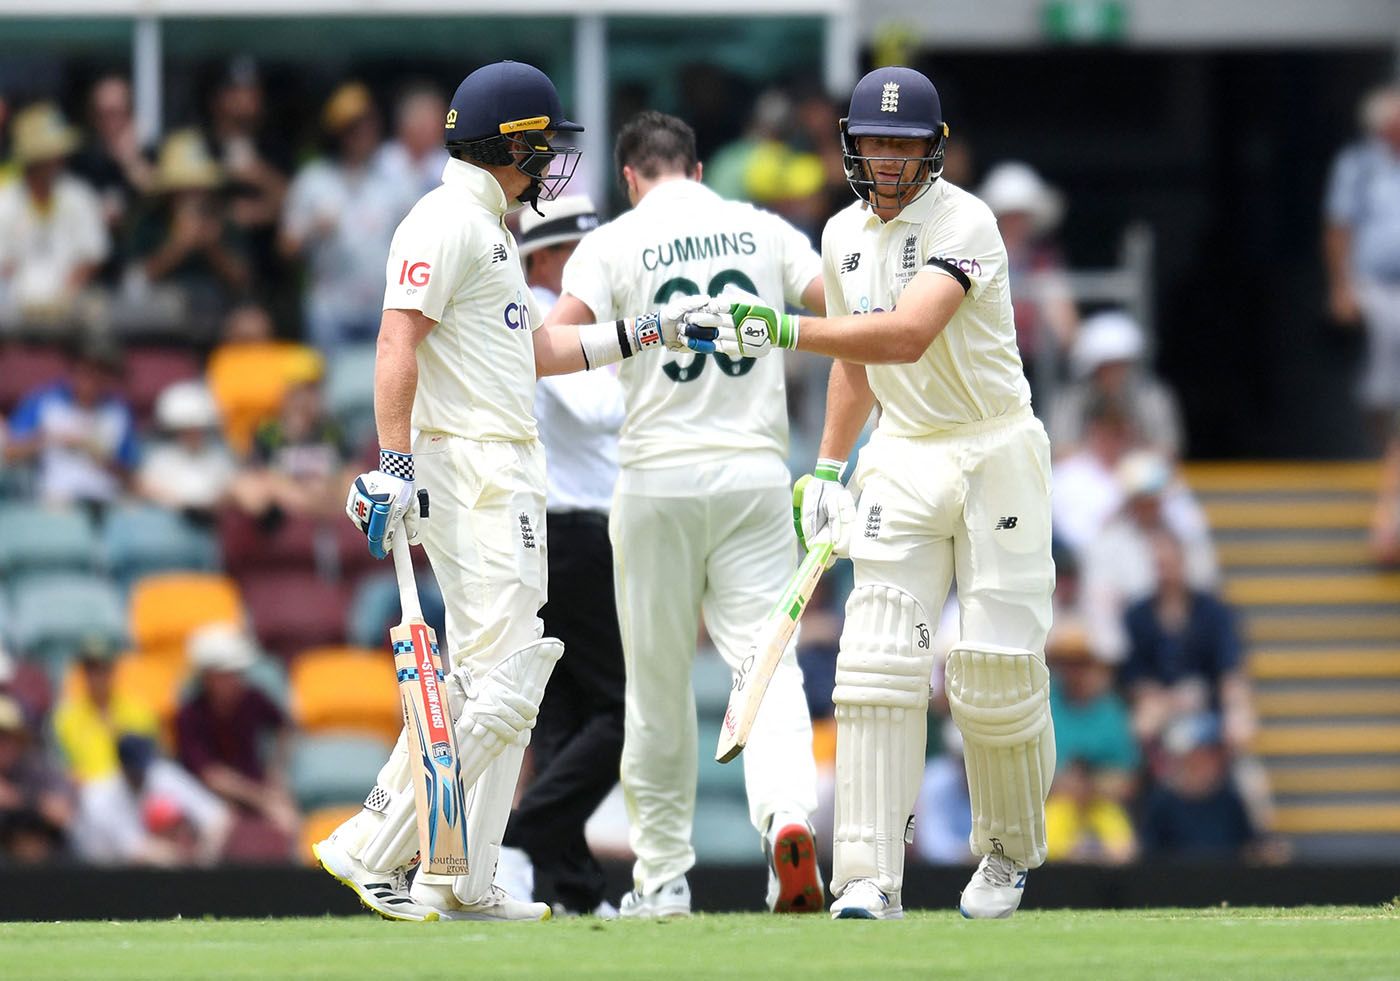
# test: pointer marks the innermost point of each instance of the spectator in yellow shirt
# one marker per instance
(92, 715)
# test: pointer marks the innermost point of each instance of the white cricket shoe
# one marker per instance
(995, 889)
(863, 900)
(497, 907)
(384, 892)
(671, 900)
(516, 873)
(794, 880)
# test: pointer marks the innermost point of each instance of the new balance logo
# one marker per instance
(498, 253)
(1006, 523)
(851, 262)
(889, 97)
(872, 521)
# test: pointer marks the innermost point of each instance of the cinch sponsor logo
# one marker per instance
(698, 247)
(969, 266)
(517, 316)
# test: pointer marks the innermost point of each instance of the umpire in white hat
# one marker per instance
(578, 736)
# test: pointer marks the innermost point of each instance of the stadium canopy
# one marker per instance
(840, 55)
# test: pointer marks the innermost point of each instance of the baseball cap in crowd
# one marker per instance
(348, 104)
(1191, 732)
(1143, 472)
(222, 647)
(186, 405)
(565, 219)
(1104, 338)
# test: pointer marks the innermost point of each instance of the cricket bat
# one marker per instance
(772, 639)
(437, 783)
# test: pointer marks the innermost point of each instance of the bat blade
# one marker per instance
(770, 642)
(437, 783)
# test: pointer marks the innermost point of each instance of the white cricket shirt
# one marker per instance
(578, 416)
(453, 260)
(685, 409)
(972, 370)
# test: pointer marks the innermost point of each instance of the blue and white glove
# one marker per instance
(380, 499)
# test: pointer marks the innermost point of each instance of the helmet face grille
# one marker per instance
(550, 167)
(860, 169)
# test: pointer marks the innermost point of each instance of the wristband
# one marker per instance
(827, 469)
(396, 464)
(605, 344)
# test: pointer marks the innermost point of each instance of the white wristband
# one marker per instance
(609, 343)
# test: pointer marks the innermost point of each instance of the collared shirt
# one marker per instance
(578, 415)
(1364, 196)
(41, 247)
(972, 370)
(453, 260)
(683, 408)
(76, 442)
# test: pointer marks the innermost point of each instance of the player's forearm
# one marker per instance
(566, 348)
(873, 338)
(1336, 250)
(395, 384)
(558, 350)
(848, 404)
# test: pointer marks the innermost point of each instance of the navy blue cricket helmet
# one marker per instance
(898, 103)
(500, 115)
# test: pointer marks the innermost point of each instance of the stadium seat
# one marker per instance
(248, 548)
(52, 613)
(376, 608)
(346, 689)
(249, 380)
(156, 678)
(335, 769)
(165, 608)
(723, 834)
(318, 825)
(25, 367)
(147, 372)
(140, 539)
(716, 781)
(292, 611)
(36, 538)
(350, 389)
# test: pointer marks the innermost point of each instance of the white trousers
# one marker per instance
(727, 555)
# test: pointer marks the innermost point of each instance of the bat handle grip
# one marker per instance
(403, 571)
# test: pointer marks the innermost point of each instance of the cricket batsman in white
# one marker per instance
(458, 355)
(700, 520)
(955, 479)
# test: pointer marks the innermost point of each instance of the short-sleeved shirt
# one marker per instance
(236, 741)
(41, 247)
(1206, 647)
(683, 238)
(317, 455)
(70, 473)
(1097, 731)
(1364, 196)
(454, 261)
(972, 371)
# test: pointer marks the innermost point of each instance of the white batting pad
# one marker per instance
(881, 697)
(497, 711)
(1000, 700)
(488, 810)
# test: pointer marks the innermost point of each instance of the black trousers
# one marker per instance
(578, 736)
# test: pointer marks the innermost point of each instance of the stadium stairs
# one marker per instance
(1322, 623)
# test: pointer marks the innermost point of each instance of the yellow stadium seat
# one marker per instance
(155, 678)
(249, 381)
(346, 688)
(318, 825)
(165, 609)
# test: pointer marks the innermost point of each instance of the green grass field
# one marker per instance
(1337, 943)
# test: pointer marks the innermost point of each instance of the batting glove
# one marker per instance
(748, 328)
(823, 510)
(380, 499)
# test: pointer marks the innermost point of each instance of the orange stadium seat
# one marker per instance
(346, 688)
(164, 609)
(318, 825)
(249, 380)
(156, 678)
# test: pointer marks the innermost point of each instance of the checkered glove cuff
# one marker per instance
(398, 465)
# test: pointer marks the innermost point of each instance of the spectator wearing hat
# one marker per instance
(1362, 247)
(188, 468)
(415, 158)
(186, 239)
(1107, 361)
(233, 737)
(112, 159)
(1028, 211)
(254, 163)
(1084, 488)
(78, 430)
(300, 459)
(92, 715)
(36, 801)
(340, 216)
(52, 235)
(1194, 810)
(1118, 564)
(578, 736)
(151, 811)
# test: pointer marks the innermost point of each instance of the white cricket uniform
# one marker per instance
(701, 520)
(476, 451)
(956, 478)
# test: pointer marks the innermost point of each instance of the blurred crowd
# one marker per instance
(194, 632)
